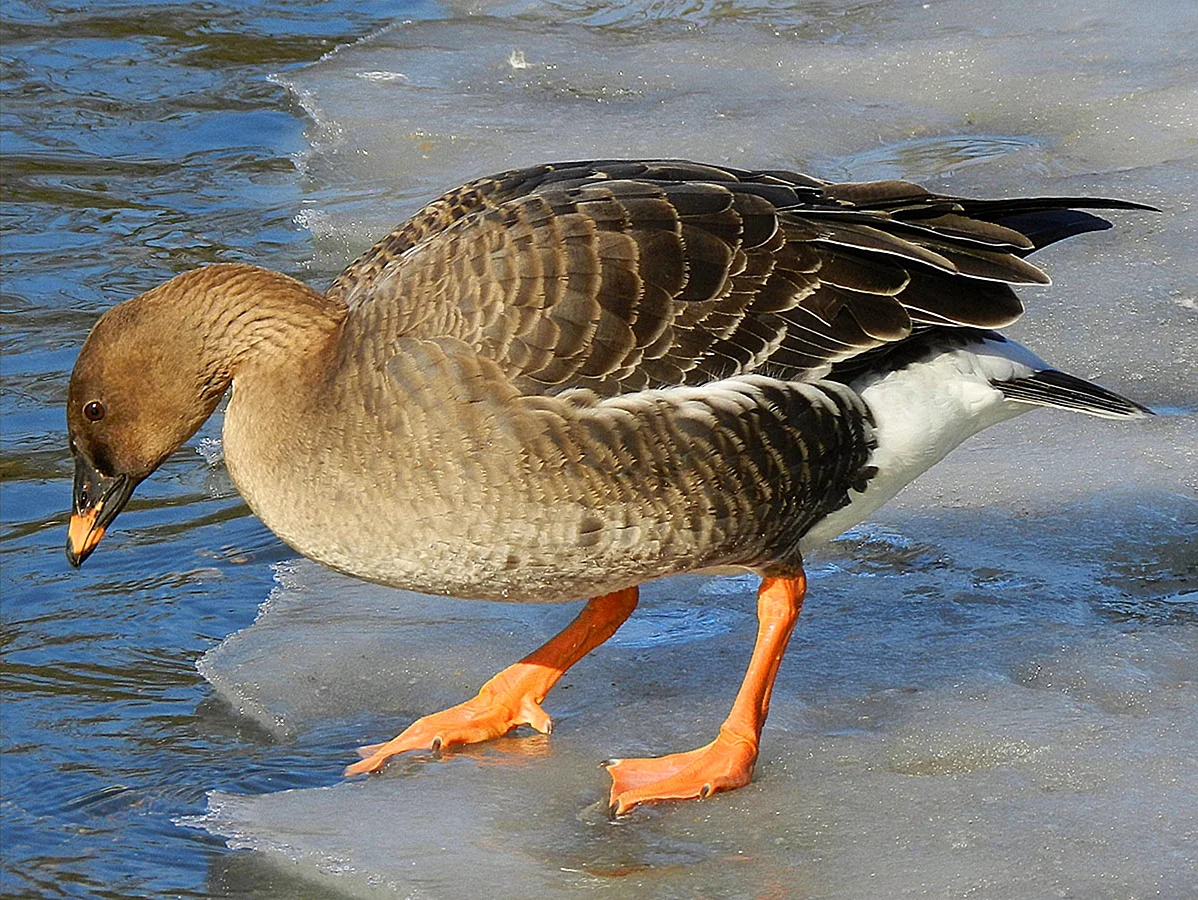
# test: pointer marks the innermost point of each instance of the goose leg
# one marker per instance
(513, 697)
(727, 762)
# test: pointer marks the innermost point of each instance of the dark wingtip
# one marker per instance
(1046, 220)
(1049, 226)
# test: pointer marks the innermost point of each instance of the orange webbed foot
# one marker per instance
(513, 697)
(723, 765)
(490, 714)
(727, 762)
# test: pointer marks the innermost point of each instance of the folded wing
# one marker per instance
(621, 276)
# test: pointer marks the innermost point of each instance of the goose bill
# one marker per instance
(97, 500)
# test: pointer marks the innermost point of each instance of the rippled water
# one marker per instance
(1009, 654)
(139, 139)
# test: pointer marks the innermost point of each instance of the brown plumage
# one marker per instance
(561, 381)
(624, 276)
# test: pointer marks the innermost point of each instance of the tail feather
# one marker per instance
(1057, 389)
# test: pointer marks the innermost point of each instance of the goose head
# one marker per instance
(144, 382)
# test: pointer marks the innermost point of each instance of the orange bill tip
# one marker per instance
(83, 534)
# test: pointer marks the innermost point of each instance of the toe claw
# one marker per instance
(534, 716)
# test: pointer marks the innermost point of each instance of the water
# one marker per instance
(992, 690)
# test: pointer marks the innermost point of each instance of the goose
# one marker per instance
(558, 382)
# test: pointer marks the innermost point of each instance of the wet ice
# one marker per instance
(998, 716)
(991, 691)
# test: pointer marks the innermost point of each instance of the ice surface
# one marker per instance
(992, 689)
(1009, 717)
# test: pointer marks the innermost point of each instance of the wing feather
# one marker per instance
(616, 276)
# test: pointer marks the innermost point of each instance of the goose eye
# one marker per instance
(93, 411)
